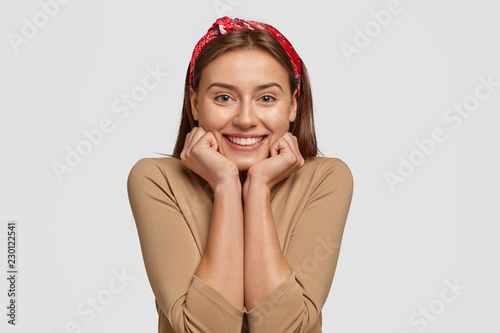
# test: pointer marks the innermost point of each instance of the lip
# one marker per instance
(244, 148)
(238, 135)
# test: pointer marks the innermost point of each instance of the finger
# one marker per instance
(279, 147)
(289, 139)
(196, 135)
(293, 147)
(297, 148)
(209, 139)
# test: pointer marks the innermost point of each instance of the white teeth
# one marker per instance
(245, 141)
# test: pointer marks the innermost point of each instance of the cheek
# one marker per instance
(278, 123)
(211, 118)
(212, 123)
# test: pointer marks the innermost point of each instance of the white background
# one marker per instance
(399, 247)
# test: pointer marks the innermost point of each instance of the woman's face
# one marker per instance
(244, 99)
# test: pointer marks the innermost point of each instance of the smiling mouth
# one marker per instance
(245, 141)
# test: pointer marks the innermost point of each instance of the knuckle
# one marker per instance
(195, 150)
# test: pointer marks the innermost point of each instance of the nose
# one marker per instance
(246, 115)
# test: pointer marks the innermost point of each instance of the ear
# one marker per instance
(293, 107)
(194, 103)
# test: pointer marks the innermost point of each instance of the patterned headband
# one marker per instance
(225, 24)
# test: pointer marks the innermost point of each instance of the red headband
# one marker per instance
(225, 24)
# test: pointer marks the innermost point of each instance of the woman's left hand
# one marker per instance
(284, 161)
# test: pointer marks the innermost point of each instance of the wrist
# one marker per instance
(230, 185)
(255, 186)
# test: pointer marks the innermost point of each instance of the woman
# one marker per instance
(240, 229)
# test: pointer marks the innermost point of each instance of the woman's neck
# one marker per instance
(243, 177)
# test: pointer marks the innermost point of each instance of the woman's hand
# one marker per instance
(200, 154)
(285, 160)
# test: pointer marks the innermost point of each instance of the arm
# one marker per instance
(265, 265)
(295, 305)
(171, 256)
(222, 264)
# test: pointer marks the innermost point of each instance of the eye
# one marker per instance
(223, 98)
(267, 99)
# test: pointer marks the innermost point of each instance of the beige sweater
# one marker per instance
(172, 208)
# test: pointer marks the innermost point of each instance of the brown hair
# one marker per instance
(302, 127)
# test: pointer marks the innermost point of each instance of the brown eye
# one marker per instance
(267, 99)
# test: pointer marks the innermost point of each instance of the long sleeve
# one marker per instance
(312, 252)
(171, 256)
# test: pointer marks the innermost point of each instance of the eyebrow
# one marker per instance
(269, 85)
(231, 87)
(221, 85)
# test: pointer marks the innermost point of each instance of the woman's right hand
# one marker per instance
(200, 154)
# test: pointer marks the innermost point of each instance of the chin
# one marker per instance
(244, 165)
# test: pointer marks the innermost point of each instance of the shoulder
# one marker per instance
(157, 169)
(328, 167)
(326, 175)
(153, 164)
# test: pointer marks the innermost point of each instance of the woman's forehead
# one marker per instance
(245, 66)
